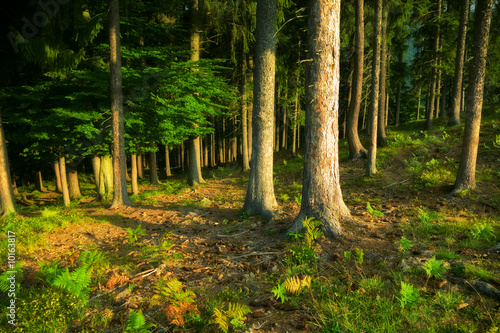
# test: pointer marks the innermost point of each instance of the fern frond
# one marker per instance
(76, 282)
(220, 319)
(293, 285)
(137, 323)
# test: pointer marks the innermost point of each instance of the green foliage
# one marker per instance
(482, 232)
(405, 244)
(408, 295)
(5, 283)
(137, 323)
(431, 173)
(173, 291)
(76, 282)
(434, 268)
(134, 234)
(279, 292)
(304, 253)
(347, 256)
(401, 140)
(359, 256)
(234, 317)
(284, 197)
(298, 200)
(373, 211)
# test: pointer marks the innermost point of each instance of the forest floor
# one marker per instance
(384, 275)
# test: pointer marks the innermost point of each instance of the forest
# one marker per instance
(250, 166)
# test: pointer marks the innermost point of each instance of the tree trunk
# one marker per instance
(194, 171)
(14, 184)
(381, 137)
(456, 95)
(356, 149)
(321, 194)
(249, 115)
(39, 182)
(64, 181)
(120, 196)
(202, 160)
(418, 103)
(285, 125)
(277, 117)
(371, 167)
(429, 112)
(466, 176)
(205, 153)
(260, 198)
(73, 184)
(153, 168)
(398, 104)
(444, 91)
(168, 172)
(438, 93)
(133, 171)
(7, 201)
(140, 170)
(57, 173)
(295, 120)
(96, 167)
(245, 165)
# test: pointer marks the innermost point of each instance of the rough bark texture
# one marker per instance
(194, 169)
(321, 194)
(429, 112)
(73, 184)
(356, 149)
(153, 168)
(120, 196)
(371, 167)
(245, 165)
(456, 95)
(168, 171)
(96, 167)
(64, 181)
(106, 175)
(466, 176)
(381, 137)
(7, 201)
(57, 173)
(260, 198)
(133, 174)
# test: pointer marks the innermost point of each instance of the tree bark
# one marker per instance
(57, 173)
(321, 194)
(106, 176)
(64, 181)
(7, 201)
(120, 195)
(73, 184)
(245, 165)
(194, 171)
(39, 182)
(381, 136)
(429, 112)
(356, 149)
(140, 170)
(153, 168)
(14, 184)
(96, 167)
(371, 167)
(260, 198)
(168, 171)
(456, 95)
(418, 103)
(466, 175)
(133, 174)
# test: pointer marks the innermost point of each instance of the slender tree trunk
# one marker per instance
(202, 159)
(260, 197)
(96, 167)
(133, 174)
(466, 176)
(444, 92)
(418, 103)
(57, 173)
(140, 170)
(250, 112)
(438, 93)
(321, 194)
(244, 112)
(295, 120)
(168, 172)
(398, 104)
(356, 149)
(39, 182)
(371, 167)
(456, 95)
(277, 117)
(284, 130)
(73, 183)
(429, 112)
(120, 196)
(7, 201)
(381, 137)
(153, 168)
(14, 184)
(205, 153)
(64, 181)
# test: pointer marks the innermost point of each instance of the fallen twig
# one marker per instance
(401, 182)
(233, 235)
(253, 254)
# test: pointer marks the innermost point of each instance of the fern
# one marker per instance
(91, 258)
(137, 323)
(76, 282)
(235, 315)
(294, 284)
(434, 268)
(373, 211)
(133, 234)
(279, 292)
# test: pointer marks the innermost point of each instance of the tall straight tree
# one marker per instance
(466, 176)
(371, 167)
(456, 95)
(321, 194)
(120, 196)
(429, 112)
(7, 201)
(381, 137)
(356, 149)
(260, 198)
(194, 171)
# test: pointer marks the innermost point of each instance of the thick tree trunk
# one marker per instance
(64, 181)
(168, 172)
(260, 198)
(466, 176)
(456, 95)
(73, 184)
(57, 173)
(106, 176)
(133, 174)
(7, 201)
(429, 112)
(381, 137)
(356, 149)
(194, 171)
(96, 167)
(153, 168)
(205, 153)
(371, 167)
(321, 194)
(120, 195)
(39, 182)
